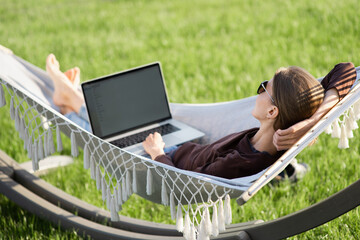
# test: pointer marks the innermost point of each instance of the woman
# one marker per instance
(293, 100)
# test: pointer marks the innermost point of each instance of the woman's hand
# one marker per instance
(154, 145)
(285, 139)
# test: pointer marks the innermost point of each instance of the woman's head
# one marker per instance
(297, 95)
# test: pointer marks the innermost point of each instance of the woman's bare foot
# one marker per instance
(65, 110)
(66, 94)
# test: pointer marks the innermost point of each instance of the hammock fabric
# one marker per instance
(119, 174)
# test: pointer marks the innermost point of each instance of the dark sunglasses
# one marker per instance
(262, 88)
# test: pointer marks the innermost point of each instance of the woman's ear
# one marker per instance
(273, 112)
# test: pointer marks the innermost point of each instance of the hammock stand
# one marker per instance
(247, 192)
(56, 206)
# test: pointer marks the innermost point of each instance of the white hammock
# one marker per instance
(118, 173)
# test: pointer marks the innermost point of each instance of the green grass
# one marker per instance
(210, 51)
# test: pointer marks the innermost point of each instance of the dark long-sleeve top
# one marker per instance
(234, 156)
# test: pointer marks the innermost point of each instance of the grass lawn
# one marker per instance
(210, 51)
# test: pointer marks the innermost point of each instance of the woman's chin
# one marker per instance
(253, 113)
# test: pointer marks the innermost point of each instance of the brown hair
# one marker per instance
(297, 94)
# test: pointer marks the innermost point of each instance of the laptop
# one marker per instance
(125, 107)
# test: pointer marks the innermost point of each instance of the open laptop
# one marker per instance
(125, 107)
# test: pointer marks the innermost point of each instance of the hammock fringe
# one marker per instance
(179, 219)
(164, 194)
(344, 142)
(187, 226)
(134, 183)
(215, 224)
(58, 139)
(149, 184)
(221, 215)
(86, 156)
(74, 148)
(207, 222)
(12, 110)
(2, 96)
(173, 211)
(336, 132)
(227, 210)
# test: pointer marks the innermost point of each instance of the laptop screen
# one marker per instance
(126, 101)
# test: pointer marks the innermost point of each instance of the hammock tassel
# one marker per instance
(134, 183)
(21, 129)
(46, 145)
(357, 110)
(40, 149)
(221, 218)
(58, 139)
(86, 156)
(123, 190)
(12, 109)
(173, 207)
(344, 142)
(117, 204)
(92, 168)
(108, 198)
(215, 224)
(202, 231)
(98, 177)
(24, 129)
(328, 129)
(35, 157)
(128, 184)
(119, 195)
(336, 129)
(29, 148)
(74, 148)
(348, 127)
(179, 219)
(192, 233)
(207, 222)
(2, 96)
(113, 210)
(353, 122)
(227, 210)
(164, 195)
(187, 227)
(26, 139)
(149, 179)
(17, 120)
(103, 188)
(51, 144)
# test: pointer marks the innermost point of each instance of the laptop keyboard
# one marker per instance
(140, 137)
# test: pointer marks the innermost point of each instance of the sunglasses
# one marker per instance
(262, 88)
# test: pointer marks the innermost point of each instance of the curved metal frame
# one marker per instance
(46, 201)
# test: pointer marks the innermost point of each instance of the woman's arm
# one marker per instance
(337, 83)
(284, 139)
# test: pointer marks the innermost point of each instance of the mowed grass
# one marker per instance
(210, 51)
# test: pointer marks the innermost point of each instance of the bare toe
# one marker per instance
(73, 75)
(52, 63)
(65, 110)
(77, 76)
(70, 74)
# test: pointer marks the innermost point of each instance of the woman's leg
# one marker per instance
(80, 119)
(66, 94)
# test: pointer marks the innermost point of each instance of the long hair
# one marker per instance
(297, 94)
